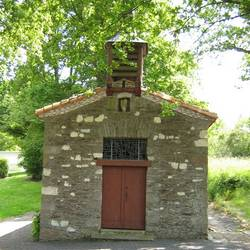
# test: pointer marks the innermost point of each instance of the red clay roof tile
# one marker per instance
(163, 96)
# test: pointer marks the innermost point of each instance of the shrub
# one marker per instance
(36, 227)
(3, 168)
(31, 152)
(226, 183)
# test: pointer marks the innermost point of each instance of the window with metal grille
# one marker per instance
(124, 149)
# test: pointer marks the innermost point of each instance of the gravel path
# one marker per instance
(224, 235)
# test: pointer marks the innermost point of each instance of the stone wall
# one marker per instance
(176, 195)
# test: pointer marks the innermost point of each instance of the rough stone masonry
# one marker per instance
(176, 184)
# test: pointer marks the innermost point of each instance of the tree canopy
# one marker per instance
(219, 25)
(52, 49)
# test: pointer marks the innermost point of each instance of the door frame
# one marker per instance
(125, 163)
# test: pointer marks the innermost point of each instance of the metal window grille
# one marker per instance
(124, 149)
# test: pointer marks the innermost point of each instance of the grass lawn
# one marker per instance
(18, 195)
(229, 185)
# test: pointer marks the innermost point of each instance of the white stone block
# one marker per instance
(79, 118)
(161, 136)
(66, 184)
(63, 127)
(86, 180)
(81, 135)
(99, 171)
(203, 134)
(197, 180)
(73, 134)
(65, 176)
(89, 119)
(92, 163)
(72, 194)
(97, 155)
(161, 208)
(54, 223)
(71, 229)
(155, 137)
(66, 147)
(199, 169)
(59, 135)
(64, 223)
(49, 190)
(170, 176)
(174, 165)
(157, 119)
(137, 113)
(65, 165)
(78, 157)
(82, 166)
(151, 158)
(46, 171)
(201, 143)
(51, 157)
(85, 130)
(183, 166)
(192, 128)
(181, 193)
(100, 118)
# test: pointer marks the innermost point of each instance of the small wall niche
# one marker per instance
(124, 104)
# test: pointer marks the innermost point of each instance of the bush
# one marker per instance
(224, 184)
(36, 227)
(3, 168)
(31, 152)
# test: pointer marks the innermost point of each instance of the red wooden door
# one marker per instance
(123, 197)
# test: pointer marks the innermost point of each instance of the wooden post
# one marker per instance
(109, 77)
(139, 71)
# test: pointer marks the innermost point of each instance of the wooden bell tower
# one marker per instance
(126, 74)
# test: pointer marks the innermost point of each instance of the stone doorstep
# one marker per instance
(119, 234)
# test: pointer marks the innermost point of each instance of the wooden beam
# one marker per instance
(124, 73)
(123, 163)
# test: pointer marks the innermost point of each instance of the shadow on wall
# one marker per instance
(13, 158)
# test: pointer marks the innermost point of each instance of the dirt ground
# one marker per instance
(226, 228)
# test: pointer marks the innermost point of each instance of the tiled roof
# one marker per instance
(80, 98)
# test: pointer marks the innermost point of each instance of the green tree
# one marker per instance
(219, 25)
(41, 40)
(217, 136)
(238, 140)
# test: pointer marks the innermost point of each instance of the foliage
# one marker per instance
(36, 227)
(3, 168)
(31, 152)
(238, 140)
(7, 142)
(217, 136)
(229, 184)
(234, 142)
(19, 195)
(53, 49)
(218, 25)
(168, 109)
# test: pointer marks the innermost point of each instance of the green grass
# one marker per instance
(19, 195)
(229, 185)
